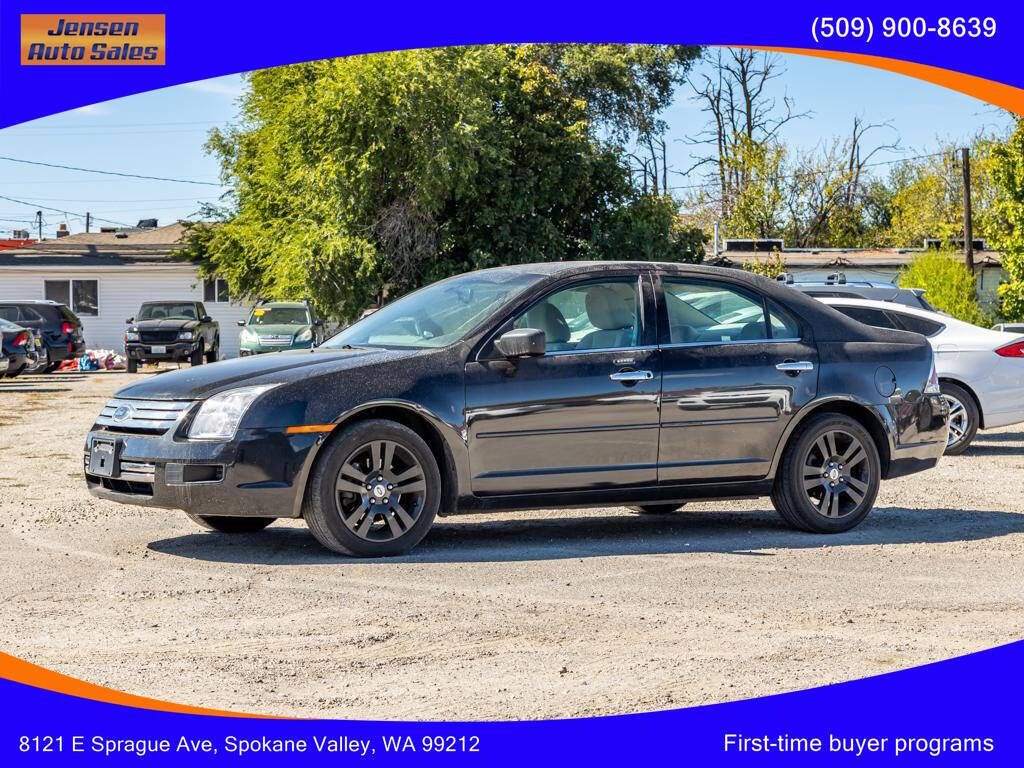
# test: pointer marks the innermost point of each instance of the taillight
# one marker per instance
(932, 387)
(1012, 350)
(68, 328)
(21, 339)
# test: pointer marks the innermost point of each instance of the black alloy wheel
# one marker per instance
(375, 490)
(829, 475)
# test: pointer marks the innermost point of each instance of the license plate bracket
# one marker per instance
(158, 349)
(103, 458)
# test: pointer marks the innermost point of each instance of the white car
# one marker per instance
(981, 371)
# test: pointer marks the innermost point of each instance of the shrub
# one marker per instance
(949, 284)
(771, 266)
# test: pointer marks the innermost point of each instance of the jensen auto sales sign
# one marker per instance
(54, 39)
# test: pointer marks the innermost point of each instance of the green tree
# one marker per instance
(949, 284)
(1007, 220)
(770, 266)
(392, 170)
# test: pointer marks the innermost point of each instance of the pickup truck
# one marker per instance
(171, 330)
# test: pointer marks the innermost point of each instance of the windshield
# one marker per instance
(173, 310)
(280, 316)
(437, 315)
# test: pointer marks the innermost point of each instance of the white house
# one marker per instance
(105, 276)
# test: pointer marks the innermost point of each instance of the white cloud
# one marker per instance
(230, 86)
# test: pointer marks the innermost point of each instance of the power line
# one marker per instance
(58, 210)
(111, 173)
(824, 172)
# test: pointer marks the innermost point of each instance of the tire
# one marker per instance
(52, 367)
(42, 362)
(656, 509)
(383, 520)
(132, 365)
(211, 356)
(231, 524)
(964, 418)
(829, 475)
(197, 356)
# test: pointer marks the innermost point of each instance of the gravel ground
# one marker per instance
(523, 615)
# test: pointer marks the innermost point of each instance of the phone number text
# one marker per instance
(863, 27)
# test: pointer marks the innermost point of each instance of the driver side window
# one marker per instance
(587, 316)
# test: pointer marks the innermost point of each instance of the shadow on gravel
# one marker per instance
(993, 449)
(999, 437)
(735, 533)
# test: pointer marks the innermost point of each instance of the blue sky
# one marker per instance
(161, 133)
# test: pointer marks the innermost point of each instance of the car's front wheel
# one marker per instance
(211, 356)
(375, 490)
(829, 475)
(197, 355)
(963, 418)
(224, 524)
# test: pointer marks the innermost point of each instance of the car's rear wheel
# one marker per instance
(829, 475)
(656, 509)
(375, 490)
(223, 524)
(963, 418)
(197, 355)
(42, 362)
(51, 367)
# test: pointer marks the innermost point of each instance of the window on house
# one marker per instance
(216, 290)
(81, 295)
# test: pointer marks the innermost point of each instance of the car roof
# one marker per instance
(50, 302)
(172, 301)
(288, 304)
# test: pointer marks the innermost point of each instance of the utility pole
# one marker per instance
(965, 162)
(39, 220)
(88, 220)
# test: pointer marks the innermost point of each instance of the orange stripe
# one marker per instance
(1000, 94)
(309, 428)
(20, 671)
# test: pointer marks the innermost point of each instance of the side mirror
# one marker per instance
(130, 320)
(319, 324)
(241, 323)
(521, 342)
(205, 319)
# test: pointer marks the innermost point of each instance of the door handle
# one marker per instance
(632, 376)
(795, 366)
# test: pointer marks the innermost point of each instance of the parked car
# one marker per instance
(275, 326)
(838, 287)
(541, 385)
(55, 324)
(171, 330)
(1017, 328)
(981, 372)
(19, 348)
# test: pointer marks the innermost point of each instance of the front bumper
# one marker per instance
(174, 350)
(259, 473)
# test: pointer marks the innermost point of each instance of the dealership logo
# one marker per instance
(91, 39)
(122, 413)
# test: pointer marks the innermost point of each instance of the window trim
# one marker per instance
(71, 292)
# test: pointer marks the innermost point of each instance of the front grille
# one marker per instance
(152, 416)
(275, 341)
(157, 337)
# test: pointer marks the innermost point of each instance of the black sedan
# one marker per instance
(536, 386)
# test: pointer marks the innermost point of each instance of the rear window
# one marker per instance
(918, 324)
(67, 315)
(868, 316)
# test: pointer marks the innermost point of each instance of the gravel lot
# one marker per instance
(496, 616)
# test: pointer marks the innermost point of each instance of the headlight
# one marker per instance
(218, 417)
(247, 335)
(186, 336)
(306, 335)
(131, 335)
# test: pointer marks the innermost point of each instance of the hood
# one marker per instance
(166, 324)
(278, 367)
(277, 330)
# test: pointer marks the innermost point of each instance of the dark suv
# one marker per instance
(59, 327)
(836, 286)
(171, 330)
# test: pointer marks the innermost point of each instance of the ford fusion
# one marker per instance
(536, 386)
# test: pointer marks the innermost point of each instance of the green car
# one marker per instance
(274, 326)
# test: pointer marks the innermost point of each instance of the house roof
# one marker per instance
(133, 247)
(846, 258)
